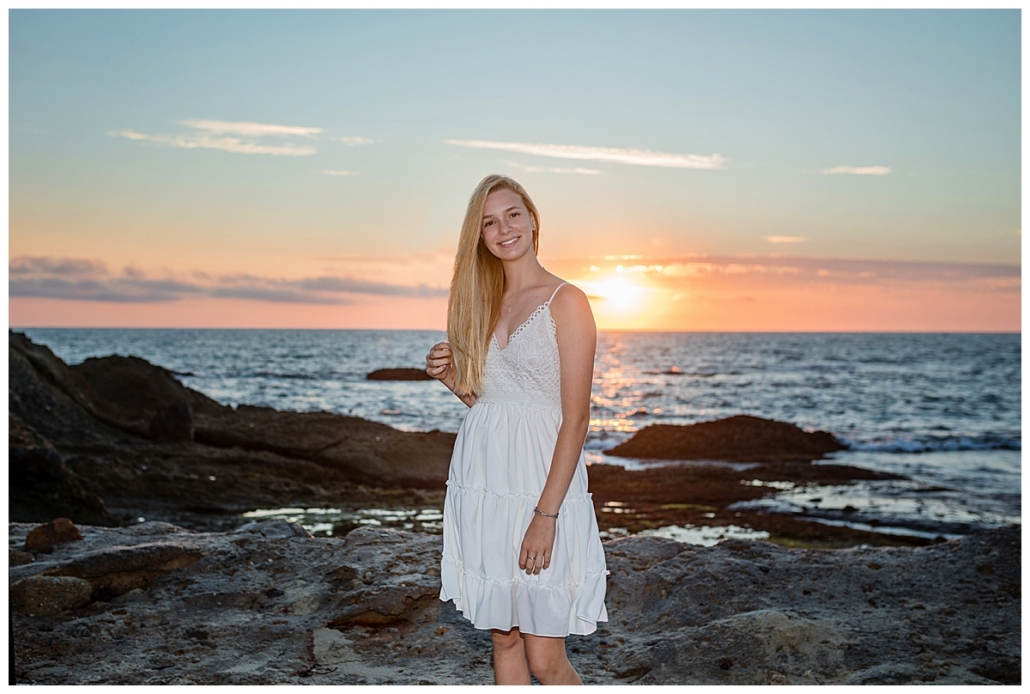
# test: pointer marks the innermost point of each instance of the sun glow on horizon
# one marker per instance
(620, 294)
(620, 302)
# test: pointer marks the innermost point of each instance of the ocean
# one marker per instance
(942, 409)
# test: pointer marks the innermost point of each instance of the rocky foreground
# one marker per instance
(267, 603)
(193, 595)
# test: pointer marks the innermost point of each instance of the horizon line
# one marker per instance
(604, 330)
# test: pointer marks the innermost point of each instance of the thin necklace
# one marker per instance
(510, 307)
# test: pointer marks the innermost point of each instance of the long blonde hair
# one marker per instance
(478, 285)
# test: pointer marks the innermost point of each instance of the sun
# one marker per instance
(620, 295)
(624, 300)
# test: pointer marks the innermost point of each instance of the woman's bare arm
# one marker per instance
(440, 365)
(577, 340)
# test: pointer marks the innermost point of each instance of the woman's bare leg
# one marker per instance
(548, 661)
(510, 664)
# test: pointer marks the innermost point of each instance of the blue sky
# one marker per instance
(890, 135)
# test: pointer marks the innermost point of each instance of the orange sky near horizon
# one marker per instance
(778, 294)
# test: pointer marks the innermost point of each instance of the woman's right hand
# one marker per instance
(440, 365)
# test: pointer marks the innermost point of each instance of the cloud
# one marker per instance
(279, 295)
(785, 239)
(637, 157)
(346, 284)
(212, 134)
(797, 269)
(354, 141)
(228, 144)
(553, 169)
(859, 170)
(247, 129)
(35, 265)
(56, 278)
(334, 172)
(118, 289)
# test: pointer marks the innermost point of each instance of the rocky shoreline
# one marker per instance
(157, 578)
(115, 439)
(267, 603)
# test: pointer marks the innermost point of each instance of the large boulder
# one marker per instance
(113, 571)
(53, 400)
(49, 534)
(368, 452)
(83, 403)
(49, 595)
(737, 438)
(399, 374)
(42, 485)
(145, 398)
(92, 406)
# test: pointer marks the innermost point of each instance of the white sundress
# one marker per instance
(498, 469)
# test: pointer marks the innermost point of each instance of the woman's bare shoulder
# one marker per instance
(570, 302)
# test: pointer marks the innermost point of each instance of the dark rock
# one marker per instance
(737, 438)
(50, 397)
(400, 374)
(134, 594)
(113, 433)
(117, 570)
(366, 452)
(343, 527)
(49, 595)
(274, 528)
(42, 486)
(84, 403)
(56, 531)
(172, 422)
(15, 557)
(138, 391)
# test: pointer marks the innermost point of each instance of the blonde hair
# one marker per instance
(477, 286)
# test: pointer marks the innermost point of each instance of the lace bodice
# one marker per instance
(527, 371)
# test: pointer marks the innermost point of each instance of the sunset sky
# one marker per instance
(695, 170)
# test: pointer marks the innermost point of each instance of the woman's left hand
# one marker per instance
(535, 554)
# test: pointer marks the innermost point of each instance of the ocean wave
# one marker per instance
(928, 444)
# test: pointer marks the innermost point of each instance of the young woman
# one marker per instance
(522, 555)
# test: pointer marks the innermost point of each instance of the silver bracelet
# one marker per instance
(541, 513)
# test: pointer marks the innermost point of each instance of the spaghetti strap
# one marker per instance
(555, 292)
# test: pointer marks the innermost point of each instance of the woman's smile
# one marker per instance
(505, 222)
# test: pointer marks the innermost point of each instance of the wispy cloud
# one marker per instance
(637, 157)
(354, 141)
(859, 170)
(553, 169)
(236, 137)
(335, 172)
(246, 129)
(44, 265)
(780, 269)
(785, 239)
(85, 280)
